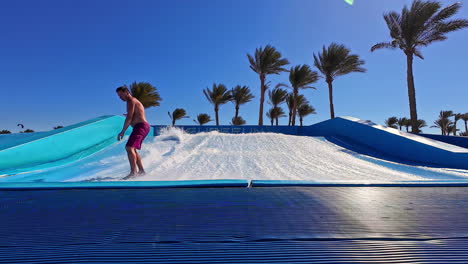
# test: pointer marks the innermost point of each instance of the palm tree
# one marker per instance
(392, 122)
(5, 132)
(420, 124)
(179, 113)
(274, 113)
(465, 119)
(27, 131)
(290, 101)
(418, 27)
(237, 121)
(290, 104)
(456, 117)
(264, 62)
(300, 77)
(276, 97)
(335, 61)
(444, 122)
(445, 114)
(402, 122)
(219, 95)
(305, 110)
(146, 93)
(407, 124)
(240, 95)
(202, 119)
(271, 115)
(451, 129)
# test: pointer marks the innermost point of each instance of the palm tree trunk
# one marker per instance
(216, 114)
(330, 98)
(262, 98)
(300, 119)
(277, 121)
(272, 121)
(289, 122)
(466, 127)
(411, 92)
(294, 110)
(173, 122)
(237, 111)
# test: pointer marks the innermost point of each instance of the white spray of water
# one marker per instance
(175, 155)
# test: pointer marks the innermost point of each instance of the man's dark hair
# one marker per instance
(122, 89)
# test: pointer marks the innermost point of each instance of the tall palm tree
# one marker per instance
(300, 77)
(335, 61)
(179, 113)
(264, 62)
(276, 97)
(240, 95)
(275, 113)
(465, 119)
(425, 22)
(146, 93)
(202, 119)
(392, 122)
(402, 122)
(237, 121)
(305, 110)
(217, 96)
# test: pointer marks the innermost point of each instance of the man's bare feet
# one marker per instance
(130, 175)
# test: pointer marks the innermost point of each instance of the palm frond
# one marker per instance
(420, 25)
(241, 95)
(146, 93)
(218, 95)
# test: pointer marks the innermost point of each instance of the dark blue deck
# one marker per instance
(235, 225)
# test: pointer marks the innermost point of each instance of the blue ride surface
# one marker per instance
(21, 154)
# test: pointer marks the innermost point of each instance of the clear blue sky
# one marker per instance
(60, 61)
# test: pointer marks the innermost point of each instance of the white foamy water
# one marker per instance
(175, 155)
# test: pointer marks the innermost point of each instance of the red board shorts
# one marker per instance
(139, 133)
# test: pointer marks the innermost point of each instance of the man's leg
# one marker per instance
(139, 163)
(132, 159)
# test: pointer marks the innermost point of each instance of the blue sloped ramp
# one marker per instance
(57, 147)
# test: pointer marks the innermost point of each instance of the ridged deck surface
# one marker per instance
(235, 225)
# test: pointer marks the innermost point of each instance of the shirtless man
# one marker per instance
(136, 118)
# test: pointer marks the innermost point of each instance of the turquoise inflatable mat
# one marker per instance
(285, 183)
(235, 225)
(122, 184)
